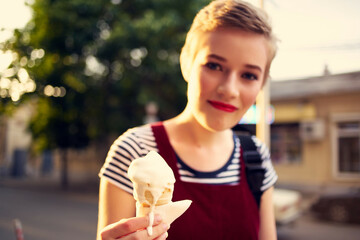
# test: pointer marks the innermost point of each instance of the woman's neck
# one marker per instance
(186, 128)
(200, 148)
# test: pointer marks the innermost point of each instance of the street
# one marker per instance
(58, 215)
(50, 215)
(309, 227)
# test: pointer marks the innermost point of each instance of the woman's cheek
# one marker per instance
(207, 82)
(248, 97)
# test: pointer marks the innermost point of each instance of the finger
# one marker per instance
(162, 236)
(159, 233)
(127, 226)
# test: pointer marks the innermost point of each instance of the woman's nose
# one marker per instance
(228, 87)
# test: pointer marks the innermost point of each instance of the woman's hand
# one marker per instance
(135, 228)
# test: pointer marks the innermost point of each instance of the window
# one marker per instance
(285, 143)
(348, 147)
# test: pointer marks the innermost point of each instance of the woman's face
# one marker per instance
(225, 77)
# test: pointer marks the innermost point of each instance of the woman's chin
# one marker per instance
(220, 126)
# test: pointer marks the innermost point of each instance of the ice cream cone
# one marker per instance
(153, 186)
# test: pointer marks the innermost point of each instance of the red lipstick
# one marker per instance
(223, 106)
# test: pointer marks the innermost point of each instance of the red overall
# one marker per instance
(217, 211)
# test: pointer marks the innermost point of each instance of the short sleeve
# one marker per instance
(134, 143)
(270, 177)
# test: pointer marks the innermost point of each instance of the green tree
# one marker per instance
(95, 65)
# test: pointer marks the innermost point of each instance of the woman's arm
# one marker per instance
(267, 216)
(114, 204)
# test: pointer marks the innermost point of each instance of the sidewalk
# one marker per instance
(50, 185)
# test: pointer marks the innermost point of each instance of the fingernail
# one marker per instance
(157, 219)
(165, 226)
(164, 235)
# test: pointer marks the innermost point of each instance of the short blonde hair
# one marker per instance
(228, 13)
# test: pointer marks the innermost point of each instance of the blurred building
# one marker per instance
(15, 141)
(315, 138)
(18, 161)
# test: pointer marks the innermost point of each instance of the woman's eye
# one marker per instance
(213, 66)
(250, 76)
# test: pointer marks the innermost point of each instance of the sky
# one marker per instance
(312, 34)
(315, 33)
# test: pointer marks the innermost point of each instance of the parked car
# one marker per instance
(287, 206)
(338, 206)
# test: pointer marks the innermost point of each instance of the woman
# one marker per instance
(225, 61)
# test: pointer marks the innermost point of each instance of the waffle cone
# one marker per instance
(169, 212)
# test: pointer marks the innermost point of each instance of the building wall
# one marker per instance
(83, 165)
(317, 165)
(14, 136)
(328, 107)
(15, 141)
(3, 125)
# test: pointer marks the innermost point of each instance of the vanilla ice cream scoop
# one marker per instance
(153, 182)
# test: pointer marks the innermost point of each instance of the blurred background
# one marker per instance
(76, 74)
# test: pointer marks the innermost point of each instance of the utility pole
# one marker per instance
(262, 107)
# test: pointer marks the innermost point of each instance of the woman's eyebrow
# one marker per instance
(217, 57)
(255, 67)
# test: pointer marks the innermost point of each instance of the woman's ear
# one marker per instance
(184, 65)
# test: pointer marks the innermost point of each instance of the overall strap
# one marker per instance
(164, 146)
(255, 173)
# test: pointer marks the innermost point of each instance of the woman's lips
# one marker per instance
(223, 106)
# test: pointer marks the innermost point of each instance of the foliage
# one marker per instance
(96, 64)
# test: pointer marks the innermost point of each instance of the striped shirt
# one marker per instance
(138, 141)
